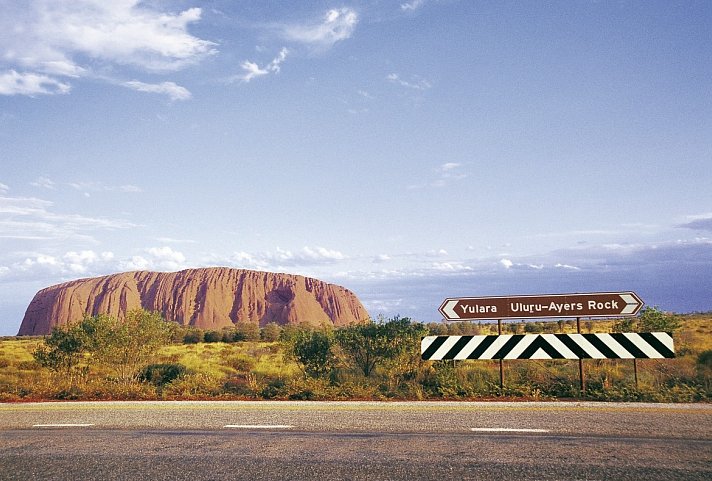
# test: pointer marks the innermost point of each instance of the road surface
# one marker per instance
(355, 440)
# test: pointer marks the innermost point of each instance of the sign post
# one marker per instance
(582, 381)
(501, 362)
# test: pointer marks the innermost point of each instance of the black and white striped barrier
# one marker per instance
(644, 345)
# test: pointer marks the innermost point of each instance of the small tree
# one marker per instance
(271, 332)
(369, 344)
(248, 331)
(653, 319)
(311, 349)
(125, 346)
(62, 351)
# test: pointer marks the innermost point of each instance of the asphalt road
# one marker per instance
(355, 440)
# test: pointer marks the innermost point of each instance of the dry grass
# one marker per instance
(259, 369)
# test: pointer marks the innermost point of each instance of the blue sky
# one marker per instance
(408, 150)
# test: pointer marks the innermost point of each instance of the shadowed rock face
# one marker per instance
(210, 298)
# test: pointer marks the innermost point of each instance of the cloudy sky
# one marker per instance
(408, 150)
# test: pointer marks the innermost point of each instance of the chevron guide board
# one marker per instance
(594, 304)
(644, 345)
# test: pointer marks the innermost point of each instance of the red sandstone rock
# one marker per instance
(209, 298)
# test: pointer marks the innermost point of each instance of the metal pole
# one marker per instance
(582, 380)
(501, 363)
(635, 371)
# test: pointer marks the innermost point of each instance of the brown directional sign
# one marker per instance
(596, 304)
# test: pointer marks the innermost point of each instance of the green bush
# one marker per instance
(194, 336)
(312, 351)
(271, 332)
(274, 388)
(533, 327)
(704, 359)
(212, 336)
(161, 374)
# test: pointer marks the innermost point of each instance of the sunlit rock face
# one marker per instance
(209, 298)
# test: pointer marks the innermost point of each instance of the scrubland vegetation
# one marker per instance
(143, 357)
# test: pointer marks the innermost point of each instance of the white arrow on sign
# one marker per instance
(631, 304)
(449, 309)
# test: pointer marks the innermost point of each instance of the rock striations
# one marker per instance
(209, 298)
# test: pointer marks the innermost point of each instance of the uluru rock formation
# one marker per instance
(209, 298)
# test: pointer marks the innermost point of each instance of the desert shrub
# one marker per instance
(193, 336)
(274, 388)
(309, 389)
(248, 331)
(652, 319)
(107, 389)
(196, 384)
(370, 344)
(126, 345)
(704, 359)
(312, 352)
(533, 327)
(241, 362)
(212, 336)
(271, 332)
(63, 350)
(28, 365)
(230, 335)
(437, 329)
(445, 382)
(242, 385)
(161, 374)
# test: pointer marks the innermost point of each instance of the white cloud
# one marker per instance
(282, 258)
(170, 240)
(307, 256)
(4, 188)
(381, 258)
(252, 70)
(155, 259)
(448, 166)
(447, 173)
(48, 41)
(416, 82)
(451, 267)
(412, 5)
(567, 266)
(101, 187)
(30, 84)
(698, 222)
(43, 182)
(83, 261)
(55, 268)
(507, 263)
(335, 25)
(32, 219)
(172, 90)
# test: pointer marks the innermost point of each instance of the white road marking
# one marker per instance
(259, 426)
(508, 430)
(61, 425)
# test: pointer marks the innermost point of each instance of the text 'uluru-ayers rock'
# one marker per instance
(207, 298)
